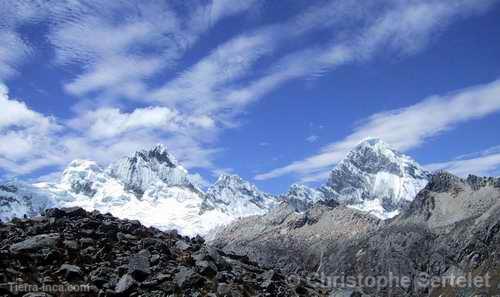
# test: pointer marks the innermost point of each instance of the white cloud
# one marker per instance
(404, 128)
(121, 55)
(485, 163)
(396, 27)
(312, 138)
(199, 89)
(12, 51)
(221, 8)
(25, 135)
(220, 171)
(215, 84)
(30, 141)
(17, 114)
(199, 181)
(120, 46)
(112, 122)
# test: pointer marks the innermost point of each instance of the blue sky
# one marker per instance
(275, 91)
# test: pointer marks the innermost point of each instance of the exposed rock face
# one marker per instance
(451, 229)
(295, 241)
(375, 178)
(105, 256)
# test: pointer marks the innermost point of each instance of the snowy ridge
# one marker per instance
(375, 178)
(238, 197)
(152, 187)
(149, 168)
(301, 197)
(19, 199)
(149, 186)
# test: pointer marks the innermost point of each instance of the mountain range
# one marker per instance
(152, 187)
(378, 214)
(449, 231)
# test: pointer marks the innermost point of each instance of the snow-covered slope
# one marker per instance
(301, 197)
(149, 168)
(149, 186)
(238, 197)
(20, 199)
(375, 178)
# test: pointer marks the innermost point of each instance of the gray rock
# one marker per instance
(36, 242)
(181, 245)
(206, 268)
(188, 278)
(70, 272)
(125, 285)
(71, 244)
(138, 266)
(102, 275)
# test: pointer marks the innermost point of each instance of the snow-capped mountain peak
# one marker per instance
(376, 178)
(150, 186)
(238, 196)
(79, 177)
(160, 154)
(302, 197)
(146, 168)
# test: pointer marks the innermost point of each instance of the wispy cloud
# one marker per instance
(118, 48)
(312, 138)
(403, 129)
(13, 48)
(484, 163)
(399, 27)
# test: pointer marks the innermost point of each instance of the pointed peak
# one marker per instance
(80, 164)
(375, 148)
(226, 178)
(159, 153)
(159, 148)
(299, 187)
(373, 142)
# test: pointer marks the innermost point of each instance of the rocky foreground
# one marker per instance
(70, 252)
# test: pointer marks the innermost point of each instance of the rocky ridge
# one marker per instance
(450, 230)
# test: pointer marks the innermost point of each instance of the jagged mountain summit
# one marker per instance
(234, 195)
(301, 197)
(149, 186)
(148, 168)
(375, 178)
